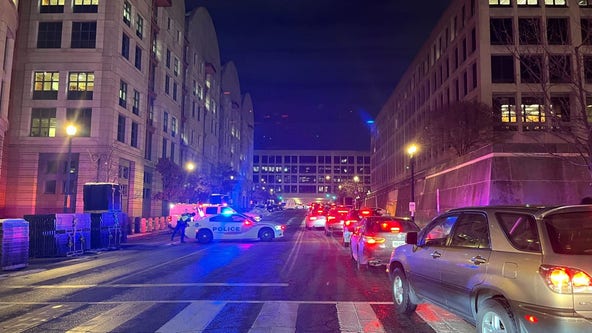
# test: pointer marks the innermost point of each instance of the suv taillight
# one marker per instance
(565, 280)
(373, 240)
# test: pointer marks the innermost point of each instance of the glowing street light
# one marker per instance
(411, 151)
(189, 166)
(70, 131)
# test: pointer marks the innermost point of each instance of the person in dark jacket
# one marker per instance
(181, 225)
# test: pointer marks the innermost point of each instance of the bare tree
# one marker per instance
(461, 126)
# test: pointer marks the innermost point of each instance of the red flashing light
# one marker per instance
(247, 223)
(365, 212)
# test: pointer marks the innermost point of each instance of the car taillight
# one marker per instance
(331, 217)
(391, 227)
(564, 280)
(373, 240)
(312, 218)
(247, 223)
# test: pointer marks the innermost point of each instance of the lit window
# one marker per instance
(81, 85)
(555, 2)
(51, 6)
(123, 94)
(43, 122)
(499, 2)
(127, 13)
(140, 26)
(46, 85)
(86, 6)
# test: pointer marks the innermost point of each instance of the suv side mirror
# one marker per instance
(411, 238)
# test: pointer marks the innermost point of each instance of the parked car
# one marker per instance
(375, 237)
(353, 217)
(232, 226)
(505, 269)
(336, 219)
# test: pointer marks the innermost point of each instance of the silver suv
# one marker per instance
(504, 269)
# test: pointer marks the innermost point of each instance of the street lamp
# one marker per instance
(190, 166)
(70, 131)
(411, 150)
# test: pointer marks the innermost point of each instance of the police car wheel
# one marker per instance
(266, 234)
(204, 236)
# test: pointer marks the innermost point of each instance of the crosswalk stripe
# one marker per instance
(109, 320)
(37, 317)
(276, 317)
(357, 317)
(194, 318)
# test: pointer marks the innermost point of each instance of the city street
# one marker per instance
(304, 282)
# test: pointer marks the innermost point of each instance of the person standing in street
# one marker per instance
(181, 225)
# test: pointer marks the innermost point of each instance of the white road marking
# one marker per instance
(275, 317)
(194, 318)
(108, 321)
(143, 285)
(38, 316)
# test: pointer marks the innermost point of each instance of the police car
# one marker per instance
(232, 225)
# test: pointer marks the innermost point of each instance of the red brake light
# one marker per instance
(247, 222)
(365, 212)
(565, 280)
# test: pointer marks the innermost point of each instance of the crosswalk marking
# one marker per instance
(37, 317)
(143, 285)
(108, 321)
(358, 317)
(205, 315)
(276, 317)
(194, 318)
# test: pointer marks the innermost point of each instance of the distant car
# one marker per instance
(230, 225)
(336, 217)
(353, 217)
(505, 269)
(316, 219)
(375, 238)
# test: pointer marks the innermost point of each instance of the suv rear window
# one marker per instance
(390, 225)
(570, 233)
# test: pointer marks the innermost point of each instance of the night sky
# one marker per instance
(318, 69)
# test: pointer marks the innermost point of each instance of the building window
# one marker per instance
(585, 3)
(123, 94)
(174, 91)
(533, 111)
(164, 147)
(528, 2)
(168, 58)
(505, 109)
(172, 151)
(125, 46)
(82, 118)
(121, 128)
(586, 27)
(43, 122)
(140, 26)
(46, 85)
(127, 13)
(560, 107)
(167, 85)
(560, 68)
(561, 3)
(494, 3)
(84, 35)
(502, 69)
(51, 6)
(529, 31)
(531, 68)
(81, 85)
(500, 31)
(138, 58)
(173, 126)
(176, 66)
(134, 138)
(165, 122)
(136, 103)
(557, 31)
(49, 35)
(86, 6)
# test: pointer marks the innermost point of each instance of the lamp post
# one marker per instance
(356, 192)
(70, 131)
(411, 150)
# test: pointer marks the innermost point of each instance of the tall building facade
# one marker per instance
(8, 31)
(139, 79)
(530, 62)
(310, 175)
